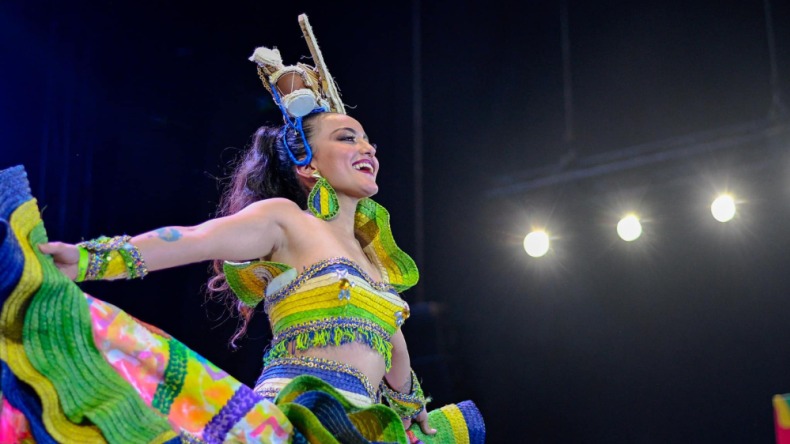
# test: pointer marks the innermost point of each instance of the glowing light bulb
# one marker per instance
(723, 208)
(629, 228)
(536, 243)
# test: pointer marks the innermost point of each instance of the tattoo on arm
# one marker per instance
(168, 234)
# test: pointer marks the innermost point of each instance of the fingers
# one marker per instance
(62, 253)
(426, 428)
(47, 248)
(422, 420)
(65, 257)
(53, 247)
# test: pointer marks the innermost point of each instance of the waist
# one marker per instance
(356, 355)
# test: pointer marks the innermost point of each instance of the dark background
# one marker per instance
(125, 114)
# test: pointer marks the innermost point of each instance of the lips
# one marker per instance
(365, 166)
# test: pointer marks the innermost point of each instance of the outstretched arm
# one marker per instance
(253, 232)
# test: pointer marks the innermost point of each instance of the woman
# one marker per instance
(323, 263)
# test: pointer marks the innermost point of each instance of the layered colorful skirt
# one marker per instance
(77, 369)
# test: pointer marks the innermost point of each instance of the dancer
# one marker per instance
(299, 233)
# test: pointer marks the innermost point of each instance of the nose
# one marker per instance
(368, 148)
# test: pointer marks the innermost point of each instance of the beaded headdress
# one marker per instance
(298, 90)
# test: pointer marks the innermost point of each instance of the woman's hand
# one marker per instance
(66, 257)
(422, 419)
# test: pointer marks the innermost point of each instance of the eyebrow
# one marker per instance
(345, 128)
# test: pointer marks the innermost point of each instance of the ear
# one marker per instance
(305, 172)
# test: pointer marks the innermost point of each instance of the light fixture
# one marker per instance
(723, 208)
(536, 243)
(629, 228)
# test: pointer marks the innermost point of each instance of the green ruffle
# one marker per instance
(338, 417)
(59, 343)
(248, 280)
(372, 229)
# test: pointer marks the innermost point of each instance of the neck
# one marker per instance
(344, 221)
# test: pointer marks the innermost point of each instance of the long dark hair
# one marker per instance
(264, 170)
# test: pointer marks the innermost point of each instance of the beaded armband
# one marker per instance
(406, 405)
(109, 258)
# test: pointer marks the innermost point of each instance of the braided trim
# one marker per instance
(102, 252)
(406, 405)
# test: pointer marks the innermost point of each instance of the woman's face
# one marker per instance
(344, 156)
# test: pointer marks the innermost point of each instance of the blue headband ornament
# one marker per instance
(298, 90)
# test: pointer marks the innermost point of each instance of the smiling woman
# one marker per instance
(298, 231)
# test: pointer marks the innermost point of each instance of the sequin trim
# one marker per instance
(101, 251)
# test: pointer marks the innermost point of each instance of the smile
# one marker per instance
(365, 166)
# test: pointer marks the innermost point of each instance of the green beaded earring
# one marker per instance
(322, 200)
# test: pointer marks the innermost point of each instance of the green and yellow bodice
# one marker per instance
(334, 301)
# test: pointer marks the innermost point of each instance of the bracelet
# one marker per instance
(109, 258)
(82, 265)
(406, 405)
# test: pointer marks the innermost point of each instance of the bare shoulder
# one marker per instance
(277, 209)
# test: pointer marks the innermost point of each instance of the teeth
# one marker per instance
(364, 165)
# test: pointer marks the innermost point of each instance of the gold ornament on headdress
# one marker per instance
(298, 89)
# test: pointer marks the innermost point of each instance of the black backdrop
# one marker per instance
(125, 113)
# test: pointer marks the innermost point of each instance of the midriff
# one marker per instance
(356, 354)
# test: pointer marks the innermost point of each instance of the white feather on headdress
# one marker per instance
(266, 57)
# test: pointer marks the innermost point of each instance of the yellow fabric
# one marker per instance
(116, 267)
(332, 302)
(782, 411)
(324, 200)
(23, 220)
(456, 419)
(321, 293)
(165, 437)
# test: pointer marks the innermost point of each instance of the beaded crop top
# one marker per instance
(332, 302)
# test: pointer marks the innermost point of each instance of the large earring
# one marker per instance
(322, 200)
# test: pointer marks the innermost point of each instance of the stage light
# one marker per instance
(536, 243)
(629, 228)
(723, 208)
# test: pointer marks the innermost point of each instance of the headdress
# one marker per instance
(298, 90)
